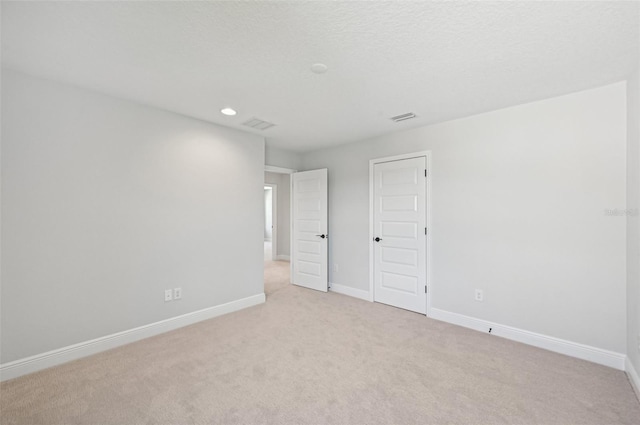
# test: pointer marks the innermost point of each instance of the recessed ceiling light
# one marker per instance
(228, 111)
(319, 68)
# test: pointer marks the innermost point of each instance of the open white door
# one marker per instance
(309, 251)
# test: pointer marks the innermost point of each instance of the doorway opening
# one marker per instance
(399, 238)
(277, 229)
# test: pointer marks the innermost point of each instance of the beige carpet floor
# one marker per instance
(276, 276)
(316, 358)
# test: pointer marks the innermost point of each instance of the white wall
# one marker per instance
(282, 158)
(518, 210)
(284, 210)
(106, 203)
(633, 227)
(268, 214)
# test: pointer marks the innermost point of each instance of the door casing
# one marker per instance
(274, 219)
(372, 163)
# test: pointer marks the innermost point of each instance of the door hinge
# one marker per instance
(425, 230)
(425, 289)
(425, 173)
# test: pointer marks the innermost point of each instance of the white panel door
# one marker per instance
(310, 229)
(399, 223)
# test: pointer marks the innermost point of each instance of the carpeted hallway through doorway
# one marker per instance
(276, 273)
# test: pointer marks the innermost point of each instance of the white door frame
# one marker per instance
(274, 220)
(282, 170)
(372, 163)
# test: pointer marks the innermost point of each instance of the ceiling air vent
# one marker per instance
(403, 117)
(258, 124)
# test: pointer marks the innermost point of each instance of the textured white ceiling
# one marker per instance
(441, 60)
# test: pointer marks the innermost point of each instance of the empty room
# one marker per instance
(323, 212)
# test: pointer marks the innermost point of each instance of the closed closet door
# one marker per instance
(399, 223)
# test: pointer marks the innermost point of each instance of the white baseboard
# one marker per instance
(283, 258)
(634, 378)
(38, 362)
(573, 349)
(348, 290)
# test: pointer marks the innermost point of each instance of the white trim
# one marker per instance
(283, 258)
(569, 348)
(38, 362)
(372, 162)
(291, 220)
(634, 378)
(348, 290)
(429, 233)
(274, 219)
(281, 170)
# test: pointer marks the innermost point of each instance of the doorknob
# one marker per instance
(322, 236)
(377, 239)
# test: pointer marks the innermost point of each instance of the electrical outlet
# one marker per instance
(335, 268)
(177, 293)
(168, 295)
(479, 295)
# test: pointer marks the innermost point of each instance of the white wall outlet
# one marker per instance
(177, 293)
(479, 295)
(335, 268)
(168, 294)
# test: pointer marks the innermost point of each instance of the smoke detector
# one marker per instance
(258, 124)
(403, 117)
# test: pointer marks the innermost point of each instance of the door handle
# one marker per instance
(323, 236)
(377, 239)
